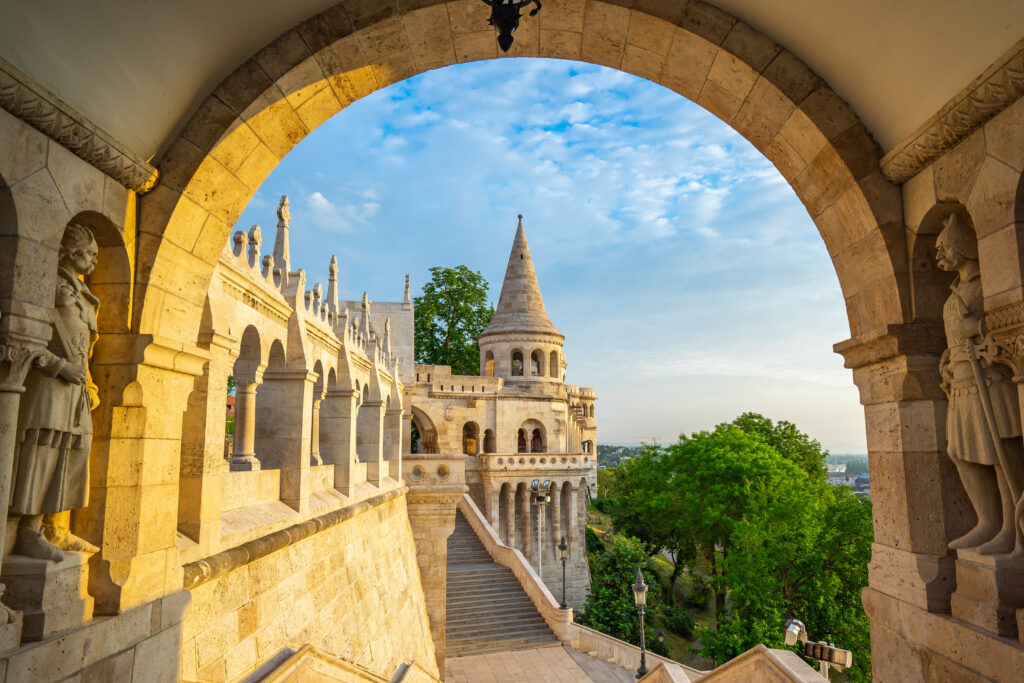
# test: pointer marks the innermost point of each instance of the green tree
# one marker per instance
(610, 607)
(789, 441)
(450, 315)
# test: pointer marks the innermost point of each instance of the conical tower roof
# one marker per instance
(520, 306)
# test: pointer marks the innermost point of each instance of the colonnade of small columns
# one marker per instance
(514, 514)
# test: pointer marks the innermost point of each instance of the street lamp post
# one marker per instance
(640, 597)
(563, 554)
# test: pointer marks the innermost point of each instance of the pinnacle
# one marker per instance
(520, 305)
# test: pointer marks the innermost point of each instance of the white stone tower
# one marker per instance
(521, 344)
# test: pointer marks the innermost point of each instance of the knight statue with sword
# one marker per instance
(983, 427)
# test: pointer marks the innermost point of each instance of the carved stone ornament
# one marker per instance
(990, 94)
(33, 104)
(18, 360)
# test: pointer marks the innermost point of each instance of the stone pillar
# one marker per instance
(556, 517)
(526, 539)
(314, 436)
(917, 498)
(574, 536)
(432, 504)
(15, 361)
(509, 501)
(370, 440)
(133, 499)
(247, 382)
(283, 430)
(393, 420)
(203, 466)
(492, 503)
(338, 436)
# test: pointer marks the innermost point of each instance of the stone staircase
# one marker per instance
(488, 611)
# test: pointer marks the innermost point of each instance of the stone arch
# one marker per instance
(470, 438)
(516, 363)
(490, 444)
(427, 430)
(553, 369)
(274, 99)
(929, 285)
(536, 435)
(487, 367)
(565, 502)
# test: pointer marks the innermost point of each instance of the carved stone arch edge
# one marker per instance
(27, 100)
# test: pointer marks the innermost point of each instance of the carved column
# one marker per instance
(247, 381)
(509, 501)
(369, 440)
(314, 437)
(393, 419)
(556, 516)
(338, 436)
(15, 361)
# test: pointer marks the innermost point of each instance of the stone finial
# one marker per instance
(366, 316)
(255, 241)
(406, 299)
(332, 285)
(387, 336)
(282, 251)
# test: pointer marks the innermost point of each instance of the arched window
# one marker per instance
(517, 363)
(537, 442)
(553, 365)
(489, 446)
(537, 363)
(488, 364)
(469, 438)
(522, 441)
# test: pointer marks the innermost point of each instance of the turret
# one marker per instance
(521, 343)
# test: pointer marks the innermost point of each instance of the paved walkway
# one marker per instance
(540, 665)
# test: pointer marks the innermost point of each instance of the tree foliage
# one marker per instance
(747, 504)
(610, 607)
(450, 315)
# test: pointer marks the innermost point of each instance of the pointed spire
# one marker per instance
(520, 306)
(387, 336)
(332, 285)
(282, 252)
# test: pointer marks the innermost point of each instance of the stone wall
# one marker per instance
(352, 590)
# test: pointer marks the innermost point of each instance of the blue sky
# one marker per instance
(688, 279)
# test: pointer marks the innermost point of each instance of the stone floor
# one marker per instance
(540, 665)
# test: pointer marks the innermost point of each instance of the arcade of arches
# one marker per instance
(162, 582)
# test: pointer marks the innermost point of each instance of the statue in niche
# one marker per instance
(51, 460)
(983, 429)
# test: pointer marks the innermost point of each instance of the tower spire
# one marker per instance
(520, 305)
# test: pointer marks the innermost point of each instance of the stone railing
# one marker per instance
(534, 461)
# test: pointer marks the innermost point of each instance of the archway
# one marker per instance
(313, 71)
(272, 101)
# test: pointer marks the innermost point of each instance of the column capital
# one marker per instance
(902, 339)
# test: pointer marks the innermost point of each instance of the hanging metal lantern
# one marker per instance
(505, 17)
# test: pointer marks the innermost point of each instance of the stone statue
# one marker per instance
(983, 427)
(51, 460)
(284, 214)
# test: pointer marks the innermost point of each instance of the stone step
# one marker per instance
(501, 647)
(486, 607)
(485, 635)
